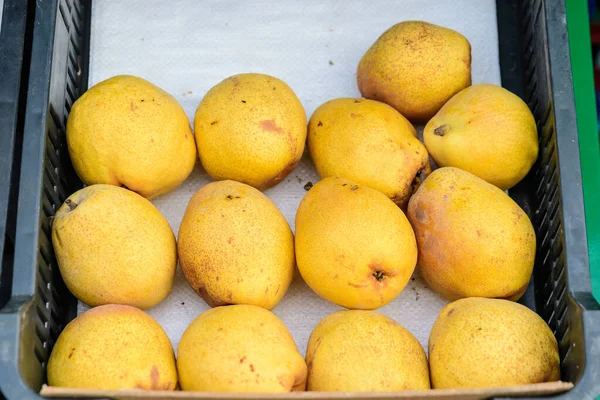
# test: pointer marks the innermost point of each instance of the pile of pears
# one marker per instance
(387, 202)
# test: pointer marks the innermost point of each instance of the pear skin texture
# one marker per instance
(250, 128)
(354, 246)
(478, 343)
(370, 143)
(415, 67)
(114, 246)
(235, 246)
(113, 347)
(125, 131)
(364, 351)
(474, 240)
(486, 130)
(239, 348)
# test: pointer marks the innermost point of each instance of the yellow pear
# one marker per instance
(473, 239)
(477, 343)
(114, 246)
(250, 128)
(486, 130)
(370, 143)
(235, 246)
(415, 67)
(363, 351)
(125, 131)
(113, 347)
(239, 348)
(354, 246)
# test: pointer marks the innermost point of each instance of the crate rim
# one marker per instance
(23, 288)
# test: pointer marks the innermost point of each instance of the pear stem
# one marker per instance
(72, 205)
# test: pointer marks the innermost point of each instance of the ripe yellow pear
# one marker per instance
(354, 246)
(370, 143)
(114, 246)
(125, 131)
(235, 246)
(363, 351)
(415, 67)
(473, 239)
(486, 130)
(477, 343)
(113, 347)
(250, 128)
(239, 348)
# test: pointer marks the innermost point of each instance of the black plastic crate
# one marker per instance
(14, 65)
(535, 64)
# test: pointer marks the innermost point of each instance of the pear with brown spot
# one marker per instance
(473, 239)
(354, 246)
(240, 348)
(250, 128)
(125, 131)
(114, 247)
(364, 351)
(486, 130)
(235, 246)
(113, 347)
(368, 142)
(478, 343)
(415, 67)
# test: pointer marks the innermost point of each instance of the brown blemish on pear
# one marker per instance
(154, 378)
(281, 175)
(442, 130)
(269, 125)
(210, 300)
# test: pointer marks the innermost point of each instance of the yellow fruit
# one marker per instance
(250, 128)
(487, 131)
(239, 348)
(235, 246)
(125, 131)
(370, 143)
(478, 343)
(473, 239)
(415, 67)
(114, 246)
(354, 246)
(113, 347)
(363, 351)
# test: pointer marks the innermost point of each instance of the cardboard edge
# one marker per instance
(536, 389)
